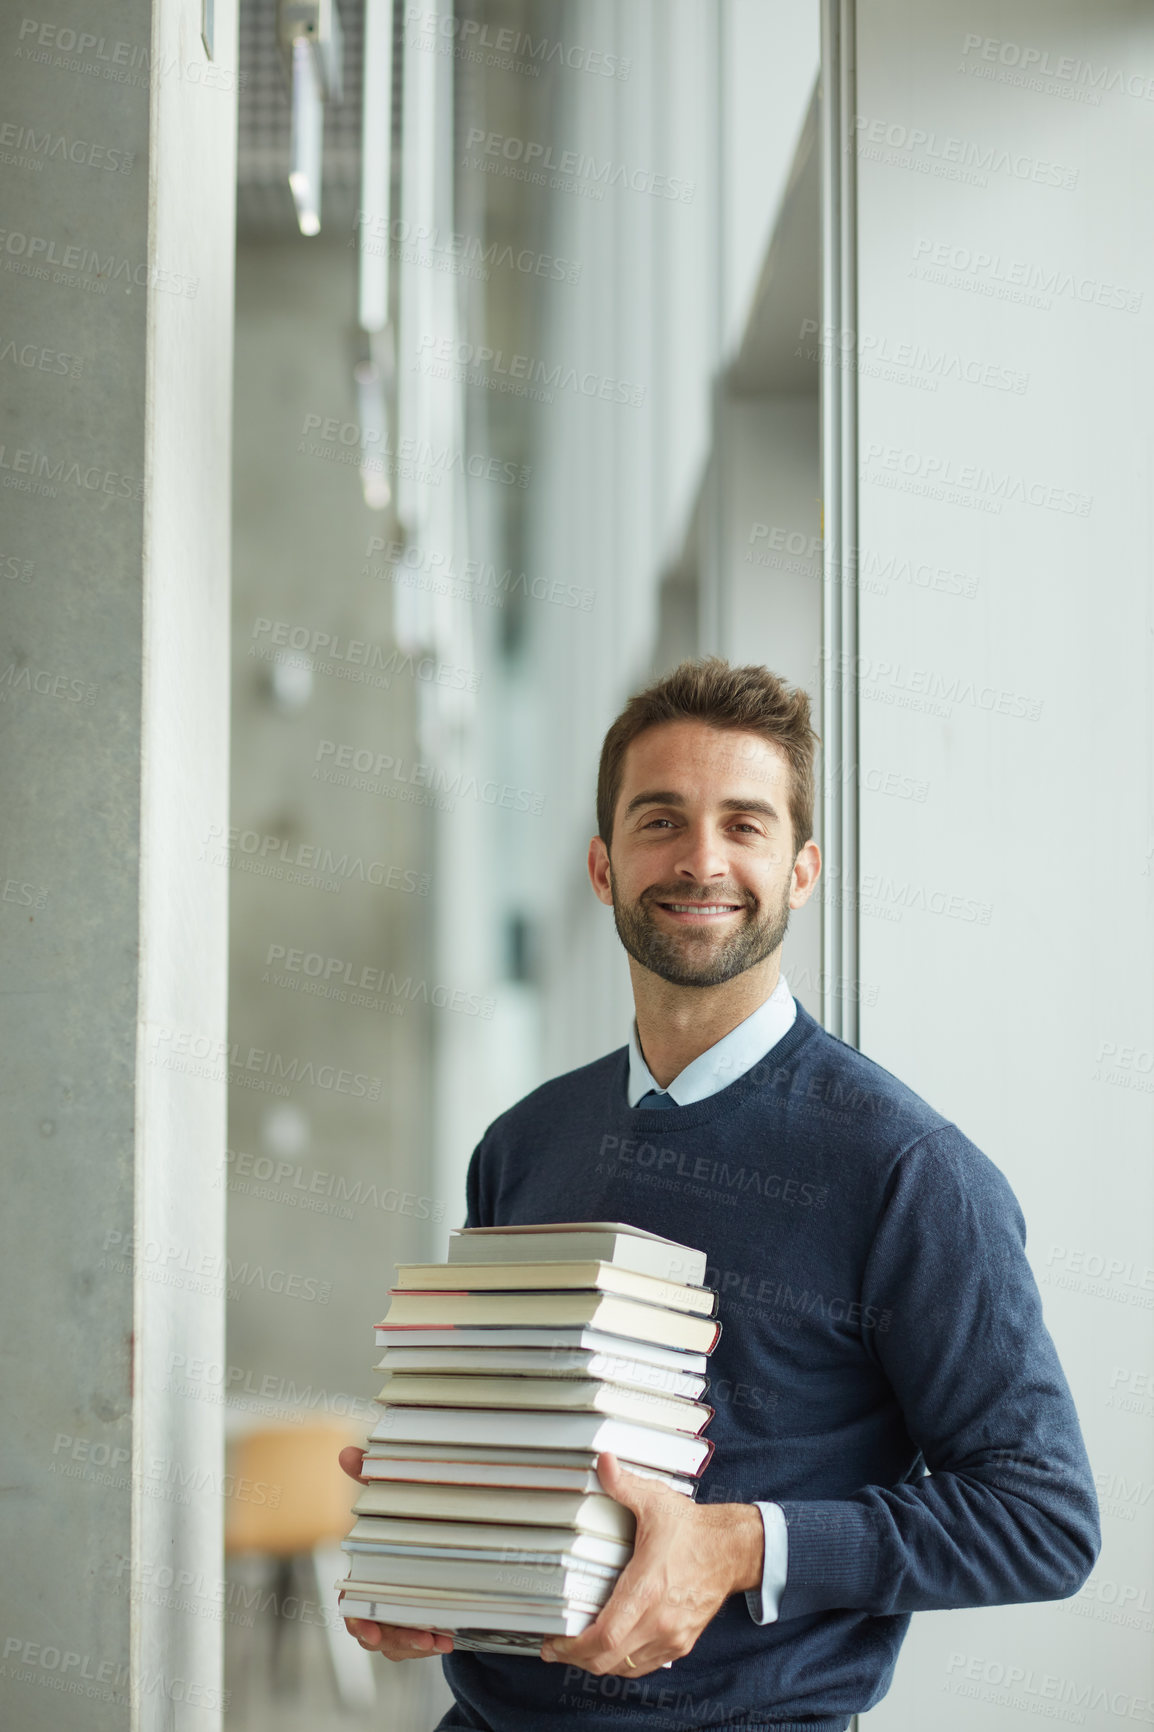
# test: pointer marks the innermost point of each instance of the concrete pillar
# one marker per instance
(115, 351)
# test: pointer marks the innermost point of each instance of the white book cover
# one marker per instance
(555, 1277)
(615, 1313)
(528, 1476)
(554, 1580)
(512, 1510)
(519, 1624)
(501, 1336)
(673, 1451)
(613, 1241)
(614, 1367)
(486, 1540)
(643, 1406)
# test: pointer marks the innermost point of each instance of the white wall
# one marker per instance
(770, 559)
(770, 53)
(714, 100)
(1017, 696)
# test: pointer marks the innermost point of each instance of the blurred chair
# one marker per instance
(294, 1516)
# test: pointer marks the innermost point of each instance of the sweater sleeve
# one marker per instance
(474, 1208)
(1008, 1512)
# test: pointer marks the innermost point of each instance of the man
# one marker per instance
(878, 1313)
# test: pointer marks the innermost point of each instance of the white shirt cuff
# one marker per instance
(763, 1602)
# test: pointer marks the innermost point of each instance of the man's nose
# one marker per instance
(702, 857)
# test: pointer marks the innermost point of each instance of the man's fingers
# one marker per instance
(351, 1459)
(425, 1641)
(605, 1660)
(609, 1658)
(593, 1647)
(397, 1642)
(367, 1634)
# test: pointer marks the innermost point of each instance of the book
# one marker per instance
(617, 1316)
(576, 1340)
(613, 1367)
(501, 1641)
(607, 1241)
(594, 1513)
(672, 1451)
(411, 1389)
(434, 1451)
(557, 1579)
(487, 1637)
(485, 1612)
(509, 1370)
(528, 1476)
(420, 1536)
(553, 1278)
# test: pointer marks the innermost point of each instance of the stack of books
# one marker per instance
(508, 1369)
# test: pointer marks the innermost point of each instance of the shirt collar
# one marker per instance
(722, 1063)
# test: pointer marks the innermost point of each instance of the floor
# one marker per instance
(285, 1682)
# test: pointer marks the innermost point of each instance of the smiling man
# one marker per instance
(879, 1316)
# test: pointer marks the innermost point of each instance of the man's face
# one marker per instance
(701, 868)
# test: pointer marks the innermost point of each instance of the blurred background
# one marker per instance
(566, 340)
(501, 435)
(537, 413)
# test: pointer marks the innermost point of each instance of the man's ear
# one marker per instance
(805, 874)
(598, 864)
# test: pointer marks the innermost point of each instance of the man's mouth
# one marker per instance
(701, 910)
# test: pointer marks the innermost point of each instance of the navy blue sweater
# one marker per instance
(879, 1318)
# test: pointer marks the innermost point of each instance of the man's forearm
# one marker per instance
(738, 1532)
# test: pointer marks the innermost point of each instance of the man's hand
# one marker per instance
(391, 1640)
(687, 1559)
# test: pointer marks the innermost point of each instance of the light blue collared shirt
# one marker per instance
(711, 1071)
(721, 1064)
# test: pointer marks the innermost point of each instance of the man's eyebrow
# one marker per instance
(653, 797)
(763, 806)
(665, 797)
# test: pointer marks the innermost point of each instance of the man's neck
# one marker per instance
(676, 1024)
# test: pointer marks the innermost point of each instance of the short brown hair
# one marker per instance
(748, 699)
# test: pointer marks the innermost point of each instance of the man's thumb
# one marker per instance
(351, 1460)
(626, 1488)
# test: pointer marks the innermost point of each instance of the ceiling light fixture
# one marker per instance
(311, 43)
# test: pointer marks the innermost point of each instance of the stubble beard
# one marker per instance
(680, 957)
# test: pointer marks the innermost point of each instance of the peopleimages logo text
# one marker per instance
(988, 269)
(577, 165)
(468, 35)
(222, 1061)
(42, 250)
(449, 783)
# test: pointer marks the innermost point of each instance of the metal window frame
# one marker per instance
(839, 694)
